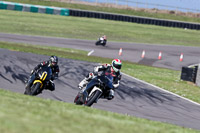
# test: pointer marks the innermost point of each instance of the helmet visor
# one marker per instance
(118, 66)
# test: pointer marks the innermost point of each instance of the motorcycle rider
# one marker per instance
(53, 63)
(103, 38)
(113, 69)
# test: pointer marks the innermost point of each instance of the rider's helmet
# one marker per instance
(104, 37)
(116, 65)
(53, 60)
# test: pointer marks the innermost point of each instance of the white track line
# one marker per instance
(161, 89)
(90, 52)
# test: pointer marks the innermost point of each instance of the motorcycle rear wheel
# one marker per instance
(78, 99)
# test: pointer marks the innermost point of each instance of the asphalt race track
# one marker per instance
(133, 97)
(130, 51)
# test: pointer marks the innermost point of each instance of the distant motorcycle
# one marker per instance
(38, 81)
(102, 41)
(97, 88)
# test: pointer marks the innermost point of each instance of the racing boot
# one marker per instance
(111, 94)
(51, 86)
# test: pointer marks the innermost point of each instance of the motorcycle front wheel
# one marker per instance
(93, 98)
(97, 43)
(35, 89)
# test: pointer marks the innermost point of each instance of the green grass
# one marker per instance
(26, 114)
(106, 9)
(22, 114)
(91, 29)
(164, 78)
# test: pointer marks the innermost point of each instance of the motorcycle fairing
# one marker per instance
(107, 80)
(93, 82)
(44, 75)
(32, 78)
(38, 81)
(94, 89)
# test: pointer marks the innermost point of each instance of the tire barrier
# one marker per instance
(99, 15)
(134, 19)
(33, 8)
(189, 74)
(198, 75)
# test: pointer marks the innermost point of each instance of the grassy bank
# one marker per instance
(108, 9)
(26, 114)
(22, 114)
(164, 78)
(91, 29)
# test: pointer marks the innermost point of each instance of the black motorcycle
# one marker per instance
(97, 88)
(38, 81)
(101, 42)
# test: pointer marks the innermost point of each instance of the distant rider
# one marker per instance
(103, 38)
(53, 63)
(113, 69)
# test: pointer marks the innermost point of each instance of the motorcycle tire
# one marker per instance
(35, 89)
(97, 43)
(78, 100)
(26, 92)
(93, 98)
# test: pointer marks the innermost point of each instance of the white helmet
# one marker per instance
(53, 60)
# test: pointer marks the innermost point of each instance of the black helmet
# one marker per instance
(53, 60)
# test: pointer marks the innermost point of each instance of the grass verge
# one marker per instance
(26, 114)
(108, 9)
(164, 78)
(90, 29)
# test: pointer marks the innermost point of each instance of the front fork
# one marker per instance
(95, 89)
